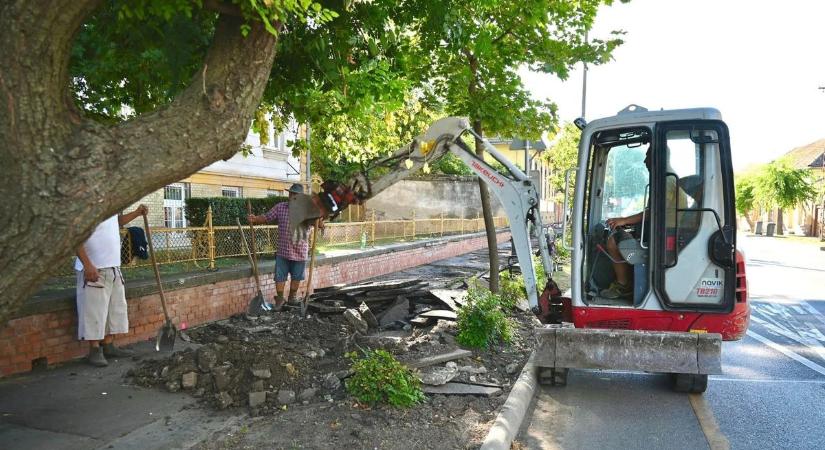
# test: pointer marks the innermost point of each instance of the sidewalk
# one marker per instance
(77, 406)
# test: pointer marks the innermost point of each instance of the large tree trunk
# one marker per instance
(61, 174)
(779, 222)
(487, 211)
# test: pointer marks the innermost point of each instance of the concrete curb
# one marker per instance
(507, 424)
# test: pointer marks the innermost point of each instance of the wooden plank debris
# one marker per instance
(452, 388)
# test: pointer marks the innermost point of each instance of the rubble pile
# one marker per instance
(261, 362)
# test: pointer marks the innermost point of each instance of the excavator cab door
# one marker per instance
(693, 221)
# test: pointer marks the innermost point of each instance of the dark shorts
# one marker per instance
(287, 267)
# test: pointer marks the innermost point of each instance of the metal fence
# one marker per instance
(203, 246)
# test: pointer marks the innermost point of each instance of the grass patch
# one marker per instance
(482, 322)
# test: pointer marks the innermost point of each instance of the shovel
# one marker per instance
(167, 333)
(256, 306)
(311, 268)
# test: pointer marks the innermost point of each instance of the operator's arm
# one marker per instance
(89, 270)
(123, 219)
(623, 221)
(268, 217)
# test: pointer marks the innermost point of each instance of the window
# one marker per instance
(174, 196)
(231, 191)
(625, 181)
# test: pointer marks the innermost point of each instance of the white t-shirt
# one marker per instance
(103, 246)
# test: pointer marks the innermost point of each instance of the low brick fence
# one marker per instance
(45, 329)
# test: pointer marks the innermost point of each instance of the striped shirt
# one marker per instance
(296, 252)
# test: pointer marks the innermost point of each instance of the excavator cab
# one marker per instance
(669, 174)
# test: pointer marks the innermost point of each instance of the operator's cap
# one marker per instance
(297, 188)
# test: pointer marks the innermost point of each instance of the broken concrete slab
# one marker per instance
(367, 314)
(397, 311)
(189, 380)
(207, 358)
(452, 298)
(481, 370)
(307, 394)
(421, 321)
(393, 344)
(286, 397)
(257, 399)
(461, 389)
(436, 376)
(438, 359)
(439, 314)
(261, 372)
(355, 319)
(331, 381)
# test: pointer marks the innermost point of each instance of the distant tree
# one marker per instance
(562, 155)
(780, 185)
(745, 196)
(469, 52)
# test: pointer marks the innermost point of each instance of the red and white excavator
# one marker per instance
(687, 290)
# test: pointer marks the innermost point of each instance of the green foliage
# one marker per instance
(562, 155)
(379, 378)
(132, 57)
(513, 288)
(469, 52)
(482, 322)
(779, 184)
(226, 209)
(451, 165)
(745, 195)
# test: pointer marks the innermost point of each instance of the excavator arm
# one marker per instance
(515, 191)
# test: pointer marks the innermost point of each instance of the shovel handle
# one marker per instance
(252, 242)
(155, 266)
(249, 254)
(311, 262)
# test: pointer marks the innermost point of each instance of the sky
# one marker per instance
(759, 62)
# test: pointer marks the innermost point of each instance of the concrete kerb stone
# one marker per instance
(509, 419)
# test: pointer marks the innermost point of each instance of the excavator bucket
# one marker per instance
(303, 210)
(561, 347)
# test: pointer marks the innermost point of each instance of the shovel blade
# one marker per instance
(257, 306)
(167, 335)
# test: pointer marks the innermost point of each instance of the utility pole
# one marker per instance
(584, 82)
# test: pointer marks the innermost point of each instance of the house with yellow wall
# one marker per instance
(261, 170)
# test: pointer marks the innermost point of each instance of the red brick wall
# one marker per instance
(54, 335)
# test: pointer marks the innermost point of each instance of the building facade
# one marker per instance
(258, 171)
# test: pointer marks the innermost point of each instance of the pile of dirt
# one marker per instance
(289, 372)
(262, 362)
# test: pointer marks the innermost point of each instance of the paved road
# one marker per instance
(771, 394)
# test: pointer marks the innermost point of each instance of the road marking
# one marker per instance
(787, 352)
(783, 381)
(716, 440)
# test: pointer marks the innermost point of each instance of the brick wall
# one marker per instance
(53, 335)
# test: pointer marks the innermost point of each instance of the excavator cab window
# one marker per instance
(618, 187)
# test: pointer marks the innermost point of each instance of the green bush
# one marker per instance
(512, 286)
(482, 322)
(226, 209)
(379, 377)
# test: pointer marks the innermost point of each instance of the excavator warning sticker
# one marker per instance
(709, 287)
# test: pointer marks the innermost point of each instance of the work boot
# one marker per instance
(293, 301)
(617, 290)
(113, 351)
(279, 303)
(96, 357)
